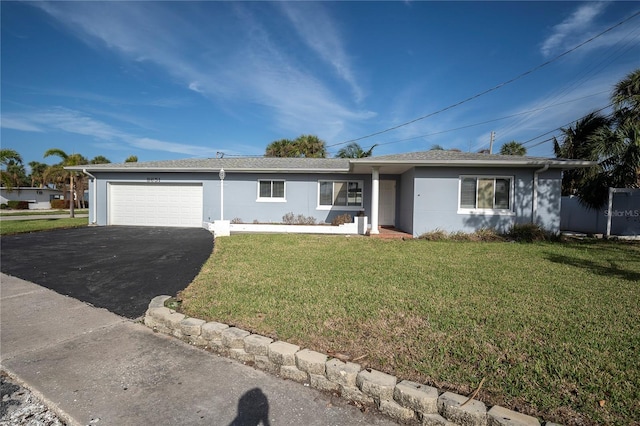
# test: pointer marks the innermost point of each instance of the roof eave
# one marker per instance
(203, 170)
(477, 163)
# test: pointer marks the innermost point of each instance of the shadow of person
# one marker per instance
(253, 409)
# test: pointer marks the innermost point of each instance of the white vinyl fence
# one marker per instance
(621, 215)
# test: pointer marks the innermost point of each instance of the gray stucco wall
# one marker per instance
(241, 193)
(436, 200)
(406, 204)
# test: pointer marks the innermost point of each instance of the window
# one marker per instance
(340, 193)
(485, 193)
(271, 190)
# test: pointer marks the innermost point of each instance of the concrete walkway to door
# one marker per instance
(97, 368)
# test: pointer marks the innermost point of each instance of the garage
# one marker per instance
(155, 204)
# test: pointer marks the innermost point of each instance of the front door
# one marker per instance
(387, 205)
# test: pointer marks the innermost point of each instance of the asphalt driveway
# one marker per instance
(118, 268)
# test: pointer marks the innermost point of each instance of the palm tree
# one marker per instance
(513, 148)
(613, 142)
(354, 150)
(100, 159)
(626, 95)
(69, 160)
(577, 144)
(37, 174)
(12, 173)
(310, 146)
(281, 148)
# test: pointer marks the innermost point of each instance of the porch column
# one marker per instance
(375, 199)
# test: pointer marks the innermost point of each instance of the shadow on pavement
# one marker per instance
(253, 409)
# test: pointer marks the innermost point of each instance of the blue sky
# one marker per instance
(167, 80)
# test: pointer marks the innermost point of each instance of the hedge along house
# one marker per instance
(415, 192)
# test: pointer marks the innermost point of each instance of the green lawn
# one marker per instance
(39, 212)
(8, 227)
(553, 327)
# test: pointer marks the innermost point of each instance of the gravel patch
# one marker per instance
(19, 407)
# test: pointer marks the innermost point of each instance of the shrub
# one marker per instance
(3, 206)
(288, 218)
(18, 205)
(59, 204)
(305, 220)
(341, 219)
(528, 233)
(291, 219)
(435, 235)
(482, 234)
(488, 234)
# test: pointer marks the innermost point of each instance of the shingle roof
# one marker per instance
(395, 163)
(446, 156)
(248, 164)
(456, 158)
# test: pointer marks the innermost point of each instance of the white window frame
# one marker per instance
(498, 212)
(272, 199)
(334, 207)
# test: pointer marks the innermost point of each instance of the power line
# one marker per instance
(524, 74)
(489, 121)
(622, 46)
(561, 127)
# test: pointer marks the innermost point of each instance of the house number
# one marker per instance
(154, 180)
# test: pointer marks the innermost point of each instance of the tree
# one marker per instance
(131, 159)
(100, 159)
(436, 147)
(354, 150)
(577, 144)
(626, 96)
(37, 175)
(513, 148)
(281, 148)
(69, 160)
(308, 146)
(12, 173)
(614, 142)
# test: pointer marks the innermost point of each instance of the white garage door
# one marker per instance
(155, 204)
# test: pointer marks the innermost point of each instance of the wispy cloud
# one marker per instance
(76, 122)
(160, 102)
(573, 29)
(18, 123)
(256, 70)
(319, 32)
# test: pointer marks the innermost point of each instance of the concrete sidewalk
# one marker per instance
(95, 367)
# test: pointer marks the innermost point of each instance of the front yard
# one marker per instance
(553, 327)
(8, 227)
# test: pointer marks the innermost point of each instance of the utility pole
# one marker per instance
(493, 136)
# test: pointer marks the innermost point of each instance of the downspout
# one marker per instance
(534, 211)
(94, 208)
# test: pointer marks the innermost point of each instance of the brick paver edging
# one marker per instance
(405, 401)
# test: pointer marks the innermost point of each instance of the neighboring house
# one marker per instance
(415, 192)
(38, 198)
